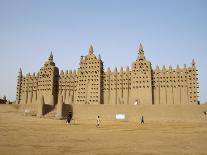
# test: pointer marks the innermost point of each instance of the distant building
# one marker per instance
(5, 101)
(90, 84)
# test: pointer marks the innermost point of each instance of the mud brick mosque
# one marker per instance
(91, 84)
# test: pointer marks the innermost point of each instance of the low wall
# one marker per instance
(153, 113)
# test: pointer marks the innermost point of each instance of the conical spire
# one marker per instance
(115, 70)
(90, 51)
(20, 71)
(193, 62)
(70, 72)
(108, 70)
(141, 47)
(121, 69)
(99, 56)
(50, 60)
(127, 69)
(177, 67)
(157, 67)
(163, 68)
(50, 57)
(141, 52)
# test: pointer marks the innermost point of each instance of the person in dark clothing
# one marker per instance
(69, 117)
(142, 119)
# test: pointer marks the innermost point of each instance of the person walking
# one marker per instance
(142, 119)
(98, 121)
(69, 116)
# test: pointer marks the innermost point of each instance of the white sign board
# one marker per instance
(120, 116)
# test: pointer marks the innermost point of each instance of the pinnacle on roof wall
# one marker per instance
(90, 51)
(115, 69)
(163, 67)
(193, 62)
(70, 72)
(28, 74)
(177, 67)
(108, 70)
(157, 68)
(20, 71)
(99, 56)
(50, 61)
(61, 72)
(127, 69)
(141, 52)
(141, 47)
(50, 57)
(121, 69)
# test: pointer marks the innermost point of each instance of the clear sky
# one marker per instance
(171, 31)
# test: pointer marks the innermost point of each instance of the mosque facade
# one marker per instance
(91, 84)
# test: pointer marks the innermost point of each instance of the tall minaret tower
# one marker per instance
(18, 89)
(193, 84)
(141, 77)
(48, 82)
(90, 79)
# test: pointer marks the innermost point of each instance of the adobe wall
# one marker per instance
(92, 85)
(83, 113)
(151, 113)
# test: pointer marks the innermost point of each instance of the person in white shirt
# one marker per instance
(98, 121)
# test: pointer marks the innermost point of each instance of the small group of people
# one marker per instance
(98, 120)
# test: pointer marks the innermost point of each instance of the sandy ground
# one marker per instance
(31, 135)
